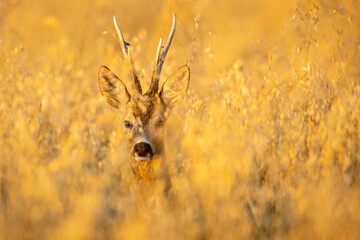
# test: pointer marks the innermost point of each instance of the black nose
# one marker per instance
(143, 149)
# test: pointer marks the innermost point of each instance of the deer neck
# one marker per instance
(146, 174)
(148, 171)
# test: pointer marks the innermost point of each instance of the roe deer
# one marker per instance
(146, 113)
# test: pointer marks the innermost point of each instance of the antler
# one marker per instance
(159, 60)
(126, 52)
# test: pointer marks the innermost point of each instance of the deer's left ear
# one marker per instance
(175, 86)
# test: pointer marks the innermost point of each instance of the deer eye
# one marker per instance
(159, 123)
(128, 124)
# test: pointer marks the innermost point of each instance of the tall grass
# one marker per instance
(265, 145)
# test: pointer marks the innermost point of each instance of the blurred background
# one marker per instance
(264, 146)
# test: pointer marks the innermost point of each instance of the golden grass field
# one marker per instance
(264, 146)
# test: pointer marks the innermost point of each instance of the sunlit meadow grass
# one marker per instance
(265, 145)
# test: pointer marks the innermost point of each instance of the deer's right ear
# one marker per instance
(112, 88)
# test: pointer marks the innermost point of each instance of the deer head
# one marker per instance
(146, 113)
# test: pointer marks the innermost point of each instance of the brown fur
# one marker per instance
(145, 113)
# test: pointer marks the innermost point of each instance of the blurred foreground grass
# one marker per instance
(266, 145)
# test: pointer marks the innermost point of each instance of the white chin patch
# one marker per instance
(142, 159)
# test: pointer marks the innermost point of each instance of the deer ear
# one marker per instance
(112, 88)
(176, 86)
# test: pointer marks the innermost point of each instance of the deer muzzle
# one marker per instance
(143, 150)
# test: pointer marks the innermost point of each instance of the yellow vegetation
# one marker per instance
(265, 145)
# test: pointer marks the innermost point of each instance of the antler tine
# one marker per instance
(168, 42)
(126, 52)
(158, 52)
(123, 44)
(160, 59)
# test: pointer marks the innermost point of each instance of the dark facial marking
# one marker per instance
(143, 109)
